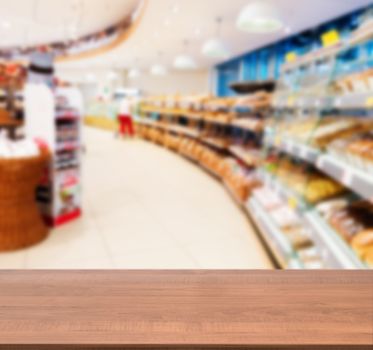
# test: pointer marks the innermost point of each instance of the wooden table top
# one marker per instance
(186, 309)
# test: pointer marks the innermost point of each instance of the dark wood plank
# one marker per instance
(186, 309)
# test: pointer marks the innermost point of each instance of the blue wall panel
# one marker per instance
(266, 62)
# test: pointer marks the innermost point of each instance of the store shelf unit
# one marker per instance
(275, 239)
(359, 181)
(336, 253)
(59, 195)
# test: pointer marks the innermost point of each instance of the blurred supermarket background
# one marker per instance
(186, 134)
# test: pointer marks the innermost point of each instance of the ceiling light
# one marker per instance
(259, 17)
(90, 78)
(112, 76)
(216, 48)
(134, 73)
(185, 62)
(158, 69)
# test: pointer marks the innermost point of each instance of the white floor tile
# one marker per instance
(146, 207)
(12, 260)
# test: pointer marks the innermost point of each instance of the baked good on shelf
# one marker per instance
(362, 243)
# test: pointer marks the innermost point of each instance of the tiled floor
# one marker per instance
(146, 207)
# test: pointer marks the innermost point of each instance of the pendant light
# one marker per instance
(112, 75)
(216, 47)
(134, 73)
(260, 17)
(158, 69)
(185, 61)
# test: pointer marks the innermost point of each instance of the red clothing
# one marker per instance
(125, 125)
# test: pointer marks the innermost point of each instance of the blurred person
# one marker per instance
(125, 118)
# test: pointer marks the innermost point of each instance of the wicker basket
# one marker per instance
(21, 224)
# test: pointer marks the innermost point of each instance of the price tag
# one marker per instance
(347, 177)
(291, 101)
(293, 203)
(369, 102)
(320, 163)
(291, 56)
(303, 152)
(330, 38)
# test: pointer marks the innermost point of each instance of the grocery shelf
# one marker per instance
(241, 154)
(237, 200)
(289, 196)
(299, 150)
(184, 131)
(67, 115)
(333, 248)
(355, 179)
(67, 146)
(331, 245)
(147, 122)
(210, 171)
(363, 100)
(275, 239)
(247, 124)
(214, 143)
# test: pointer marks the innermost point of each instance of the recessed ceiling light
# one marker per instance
(260, 17)
(158, 69)
(90, 78)
(185, 62)
(134, 73)
(112, 76)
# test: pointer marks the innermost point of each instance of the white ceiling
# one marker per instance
(165, 25)
(168, 22)
(29, 22)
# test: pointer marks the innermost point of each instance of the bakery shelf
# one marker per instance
(210, 171)
(275, 239)
(294, 148)
(237, 200)
(335, 251)
(348, 101)
(184, 131)
(353, 101)
(355, 179)
(289, 196)
(214, 143)
(248, 124)
(299, 150)
(217, 121)
(331, 245)
(243, 155)
(147, 122)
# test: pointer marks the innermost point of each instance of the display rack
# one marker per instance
(300, 97)
(59, 195)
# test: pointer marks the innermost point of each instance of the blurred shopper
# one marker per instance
(125, 118)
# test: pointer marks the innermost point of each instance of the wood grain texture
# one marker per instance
(186, 309)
